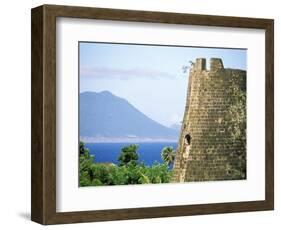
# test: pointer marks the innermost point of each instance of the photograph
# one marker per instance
(151, 114)
(140, 114)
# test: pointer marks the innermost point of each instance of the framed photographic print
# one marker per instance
(140, 114)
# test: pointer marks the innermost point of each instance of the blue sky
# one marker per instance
(149, 77)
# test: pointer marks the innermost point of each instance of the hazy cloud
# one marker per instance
(122, 74)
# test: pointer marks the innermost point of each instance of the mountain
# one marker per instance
(104, 115)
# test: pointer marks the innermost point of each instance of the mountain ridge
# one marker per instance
(104, 115)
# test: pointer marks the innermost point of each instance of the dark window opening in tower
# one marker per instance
(187, 139)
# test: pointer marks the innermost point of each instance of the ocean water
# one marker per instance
(109, 152)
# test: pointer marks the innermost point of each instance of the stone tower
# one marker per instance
(215, 121)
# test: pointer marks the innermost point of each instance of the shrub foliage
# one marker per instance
(128, 171)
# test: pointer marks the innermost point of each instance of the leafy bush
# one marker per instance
(127, 172)
(128, 155)
(85, 164)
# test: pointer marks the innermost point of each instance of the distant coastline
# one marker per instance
(105, 117)
(125, 140)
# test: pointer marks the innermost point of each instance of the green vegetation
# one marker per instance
(128, 155)
(128, 171)
(168, 155)
(237, 117)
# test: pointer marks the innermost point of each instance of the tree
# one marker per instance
(85, 163)
(128, 155)
(129, 171)
(168, 155)
(82, 149)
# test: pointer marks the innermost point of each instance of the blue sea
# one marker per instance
(109, 152)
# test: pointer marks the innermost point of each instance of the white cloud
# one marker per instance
(122, 74)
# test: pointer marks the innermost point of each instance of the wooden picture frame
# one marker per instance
(43, 189)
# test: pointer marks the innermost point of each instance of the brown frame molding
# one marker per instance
(43, 158)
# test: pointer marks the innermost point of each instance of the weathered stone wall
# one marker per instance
(214, 153)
